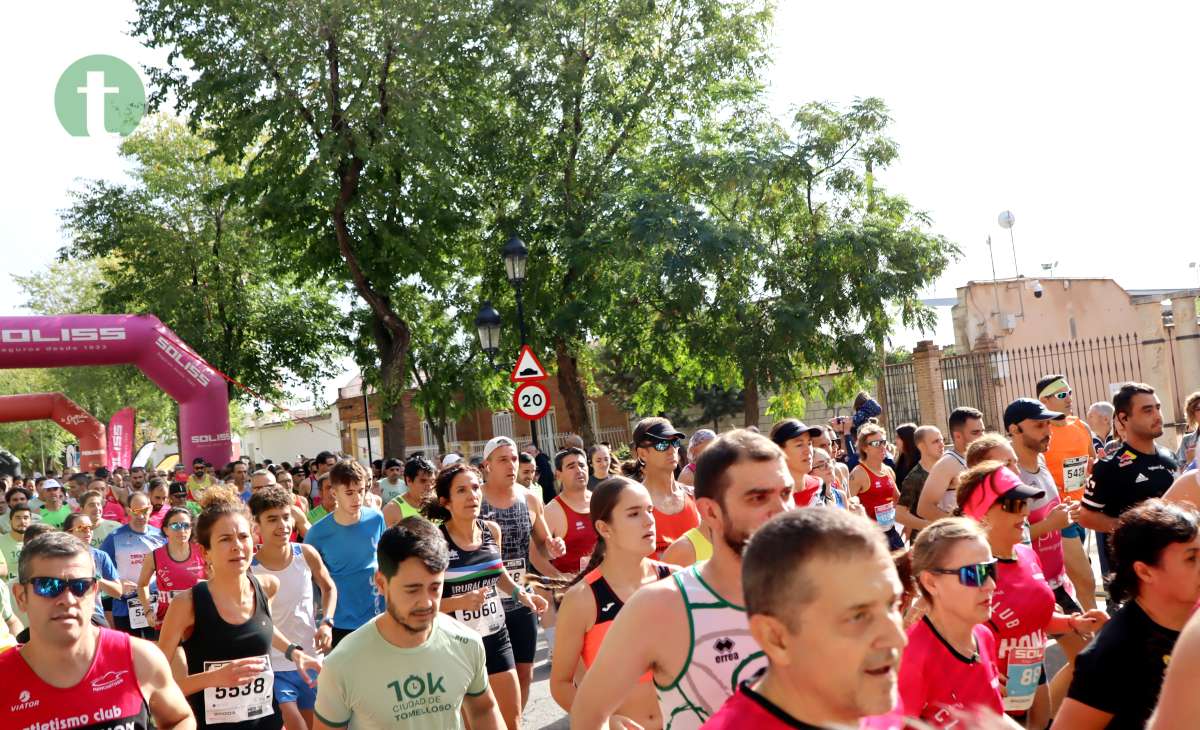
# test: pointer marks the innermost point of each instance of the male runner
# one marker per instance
(324, 500)
(261, 479)
(937, 497)
(20, 518)
(1137, 471)
(297, 568)
(128, 546)
(527, 472)
(393, 483)
(13, 497)
(1069, 460)
(346, 541)
(198, 481)
(55, 509)
(932, 447)
(72, 674)
(522, 520)
(1100, 420)
(412, 667)
(568, 515)
(823, 599)
(419, 474)
(237, 479)
(700, 648)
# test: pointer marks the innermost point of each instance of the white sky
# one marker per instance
(1076, 116)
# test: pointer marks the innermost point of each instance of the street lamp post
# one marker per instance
(487, 322)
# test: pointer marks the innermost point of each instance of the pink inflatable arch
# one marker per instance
(72, 340)
(66, 413)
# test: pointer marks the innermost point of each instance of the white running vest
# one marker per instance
(292, 606)
(723, 654)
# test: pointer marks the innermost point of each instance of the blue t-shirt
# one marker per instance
(128, 549)
(106, 570)
(349, 554)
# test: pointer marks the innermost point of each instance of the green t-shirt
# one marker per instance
(100, 531)
(315, 514)
(368, 683)
(11, 549)
(56, 517)
(406, 509)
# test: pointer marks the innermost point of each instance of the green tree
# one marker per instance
(791, 260)
(599, 98)
(177, 243)
(358, 120)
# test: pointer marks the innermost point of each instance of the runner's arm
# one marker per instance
(858, 482)
(1185, 489)
(392, 514)
(570, 626)
(903, 515)
(482, 711)
(324, 582)
(681, 552)
(300, 520)
(143, 587)
(1074, 715)
(935, 488)
(166, 701)
(556, 520)
(507, 586)
(624, 657)
(109, 580)
(540, 554)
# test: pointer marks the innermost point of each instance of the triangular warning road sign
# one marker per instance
(527, 369)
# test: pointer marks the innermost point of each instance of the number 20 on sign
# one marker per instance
(531, 401)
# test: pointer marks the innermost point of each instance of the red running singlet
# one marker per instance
(107, 698)
(669, 528)
(879, 500)
(580, 539)
(607, 607)
(174, 577)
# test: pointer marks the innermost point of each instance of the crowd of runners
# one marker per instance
(825, 576)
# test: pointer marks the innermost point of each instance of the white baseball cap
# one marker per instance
(496, 443)
(51, 484)
(449, 459)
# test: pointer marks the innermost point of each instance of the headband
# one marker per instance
(1053, 387)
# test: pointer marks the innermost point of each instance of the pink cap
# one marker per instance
(1000, 484)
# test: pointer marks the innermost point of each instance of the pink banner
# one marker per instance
(120, 439)
(66, 413)
(73, 340)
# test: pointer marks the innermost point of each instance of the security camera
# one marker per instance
(1037, 289)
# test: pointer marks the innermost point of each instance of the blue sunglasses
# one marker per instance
(971, 576)
(54, 587)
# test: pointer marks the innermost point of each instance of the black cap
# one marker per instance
(101, 472)
(176, 488)
(198, 460)
(790, 428)
(662, 430)
(1028, 409)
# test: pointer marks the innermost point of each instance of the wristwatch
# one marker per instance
(287, 653)
(327, 621)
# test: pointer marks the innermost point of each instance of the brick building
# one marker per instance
(473, 430)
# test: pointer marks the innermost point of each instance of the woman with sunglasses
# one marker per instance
(223, 626)
(620, 564)
(128, 546)
(80, 526)
(874, 483)
(656, 454)
(949, 662)
(175, 567)
(1023, 608)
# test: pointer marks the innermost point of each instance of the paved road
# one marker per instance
(542, 711)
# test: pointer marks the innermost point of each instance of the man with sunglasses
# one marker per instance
(71, 673)
(199, 480)
(656, 445)
(128, 546)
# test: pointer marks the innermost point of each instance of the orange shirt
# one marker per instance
(669, 528)
(1067, 458)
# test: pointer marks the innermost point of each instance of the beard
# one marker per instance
(407, 621)
(735, 538)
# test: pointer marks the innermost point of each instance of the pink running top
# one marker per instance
(174, 577)
(1021, 608)
(934, 678)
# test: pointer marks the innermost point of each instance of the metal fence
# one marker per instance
(1095, 368)
(902, 402)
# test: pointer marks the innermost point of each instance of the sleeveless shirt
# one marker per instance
(293, 603)
(175, 576)
(515, 529)
(215, 642)
(723, 653)
(580, 539)
(107, 698)
(470, 570)
(608, 604)
(669, 528)
(879, 500)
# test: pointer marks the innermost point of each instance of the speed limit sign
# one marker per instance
(531, 401)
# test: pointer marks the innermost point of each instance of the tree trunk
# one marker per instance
(750, 388)
(573, 393)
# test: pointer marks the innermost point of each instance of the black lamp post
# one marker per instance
(487, 322)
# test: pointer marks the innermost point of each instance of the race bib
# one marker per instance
(238, 704)
(516, 571)
(885, 515)
(137, 612)
(1024, 672)
(488, 618)
(1074, 475)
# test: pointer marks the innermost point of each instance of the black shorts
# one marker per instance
(499, 652)
(522, 627)
(337, 635)
(1066, 601)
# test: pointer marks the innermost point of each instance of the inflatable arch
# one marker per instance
(66, 413)
(72, 340)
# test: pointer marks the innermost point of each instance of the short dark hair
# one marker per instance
(1141, 535)
(272, 497)
(959, 417)
(19, 508)
(377, 464)
(414, 467)
(347, 471)
(129, 497)
(774, 579)
(1123, 400)
(324, 456)
(392, 463)
(1046, 380)
(17, 490)
(413, 537)
(155, 483)
(38, 528)
(733, 447)
(524, 458)
(49, 544)
(562, 455)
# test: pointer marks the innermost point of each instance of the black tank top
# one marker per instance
(215, 640)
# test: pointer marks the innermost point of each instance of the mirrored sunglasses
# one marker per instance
(1063, 394)
(179, 526)
(876, 443)
(662, 445)
(971, 576)
(54, 587)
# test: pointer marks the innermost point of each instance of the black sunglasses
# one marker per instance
(1013, 506)
(54, 587)
(971, 576)
(661, 445)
